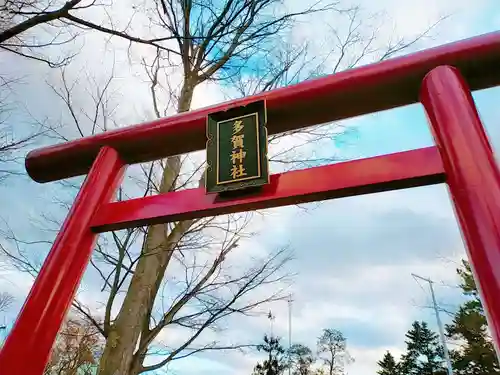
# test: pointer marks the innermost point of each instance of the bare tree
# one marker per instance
(301, 359)
(76, 349)
(205, 284)
(332, 350)
(186, 276)
(6, 300)
(29, 27)
(10, 143)
(215, 40)
(37, 30)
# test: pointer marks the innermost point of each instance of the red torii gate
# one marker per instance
(440, 78)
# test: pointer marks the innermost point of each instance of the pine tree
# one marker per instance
(408, 364)
(388, 365)
(424, 353)
(275, 362)
(476, 354)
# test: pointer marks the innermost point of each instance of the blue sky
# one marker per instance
(354, 256)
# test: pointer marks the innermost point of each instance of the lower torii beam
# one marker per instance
(382, 173)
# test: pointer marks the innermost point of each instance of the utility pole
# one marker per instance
(290, 300)
(439, 323)
(271, 318)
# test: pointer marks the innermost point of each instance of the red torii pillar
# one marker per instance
(473, 179)
(467, 166)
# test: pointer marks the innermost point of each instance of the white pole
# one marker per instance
(289, 333)
(271, 317)
(439, 323)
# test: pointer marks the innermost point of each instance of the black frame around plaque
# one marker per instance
(217, 123)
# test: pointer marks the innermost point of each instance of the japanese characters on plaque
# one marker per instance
(237, 149)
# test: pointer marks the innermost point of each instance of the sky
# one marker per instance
(353, 257)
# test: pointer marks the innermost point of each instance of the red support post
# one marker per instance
(473, 178)
(28, 346)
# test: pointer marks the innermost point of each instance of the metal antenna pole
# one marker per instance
(439, 323)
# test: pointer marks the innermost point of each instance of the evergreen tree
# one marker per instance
(424, 353)
(388, 365)
(476, 354)
(275, 363)
(407, 364)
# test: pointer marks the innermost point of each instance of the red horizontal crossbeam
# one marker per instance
(388, 84)
(371, 175)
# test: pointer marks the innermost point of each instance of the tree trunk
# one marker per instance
(332, 361)
(133, 317)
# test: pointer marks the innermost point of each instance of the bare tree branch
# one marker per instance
(6, 301)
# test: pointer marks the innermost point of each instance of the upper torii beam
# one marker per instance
(371, 88)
